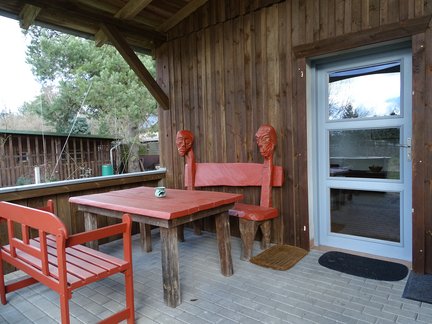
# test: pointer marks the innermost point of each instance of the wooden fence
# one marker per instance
(58, 157)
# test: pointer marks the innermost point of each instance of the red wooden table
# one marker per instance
(177, 208)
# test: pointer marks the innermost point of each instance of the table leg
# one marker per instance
(170, 266)
(145, 237)
(224, 243)
(90, 223)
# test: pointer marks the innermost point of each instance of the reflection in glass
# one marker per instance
(368, 153)
(372, 91)
(368, 214)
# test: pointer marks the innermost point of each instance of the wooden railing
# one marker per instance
(61, 191)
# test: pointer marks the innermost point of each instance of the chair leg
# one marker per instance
(145, 237)
(2, 283)
(266, 234)
(130, 295)
(247, 234)
(64, 309)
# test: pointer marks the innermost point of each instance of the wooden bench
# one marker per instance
(251, 217)
(265, 175)
(58, 260)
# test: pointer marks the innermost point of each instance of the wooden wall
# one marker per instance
(234, 65)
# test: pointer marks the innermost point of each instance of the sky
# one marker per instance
(377, 95)
(17, 83)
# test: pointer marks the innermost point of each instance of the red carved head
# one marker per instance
(266, 139)
(184, 141)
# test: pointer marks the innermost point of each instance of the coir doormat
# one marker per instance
(419, 287)
(363, 267)
(279, 257)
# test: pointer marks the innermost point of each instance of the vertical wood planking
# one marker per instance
(419, 191)
(331, 18)
(219, 112)
(347, 16)
(3, 172)
(384, 12)
(231, 82)
(272, 103)
(356, 11)
(428, 149)
(339, 15)
(323, 22)
(11, 159)
(374, 13)
(19, 158)
(310, 24)
(419, 8)
(394, 13)
(365, 17)
(239, 86)
(243, 74)
(403, 10)
(246, 60)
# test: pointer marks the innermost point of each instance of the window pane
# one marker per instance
(370, 153)
(368, 214)
(367, 92)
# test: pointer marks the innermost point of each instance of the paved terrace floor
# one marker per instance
(307, 293)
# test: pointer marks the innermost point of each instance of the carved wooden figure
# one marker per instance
(184, 143)
(266, 140)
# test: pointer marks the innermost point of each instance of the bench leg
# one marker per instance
(145, 237)
(266, 234)
(64, 309)
(247, 234)
(2, 283)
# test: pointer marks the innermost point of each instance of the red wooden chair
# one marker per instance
(58, 260)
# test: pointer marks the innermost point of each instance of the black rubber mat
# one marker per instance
(363, 267)
(419, 287)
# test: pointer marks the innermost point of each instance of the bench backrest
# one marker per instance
(264, 175)
(232, 175)
(30, 218)
(237, 175)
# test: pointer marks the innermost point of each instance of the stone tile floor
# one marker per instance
(307, 293)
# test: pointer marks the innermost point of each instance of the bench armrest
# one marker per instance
(99, 233)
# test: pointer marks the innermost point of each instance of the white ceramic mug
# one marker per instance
(160, 192)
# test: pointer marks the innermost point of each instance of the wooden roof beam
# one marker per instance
(136, 65)
(132, 8)
(28, 15)
(129, 11)
(181, 14)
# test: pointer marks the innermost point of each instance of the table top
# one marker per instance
(142, 201)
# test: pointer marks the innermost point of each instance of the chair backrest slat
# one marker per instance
(42, 220)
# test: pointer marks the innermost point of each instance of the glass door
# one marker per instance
(364, 154)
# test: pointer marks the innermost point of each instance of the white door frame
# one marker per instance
(315, 143)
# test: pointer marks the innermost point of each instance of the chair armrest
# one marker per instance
(99, 233)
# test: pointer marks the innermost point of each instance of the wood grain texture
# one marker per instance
(224, 244)
(420, 191)
(246, 69)
(170, 266)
